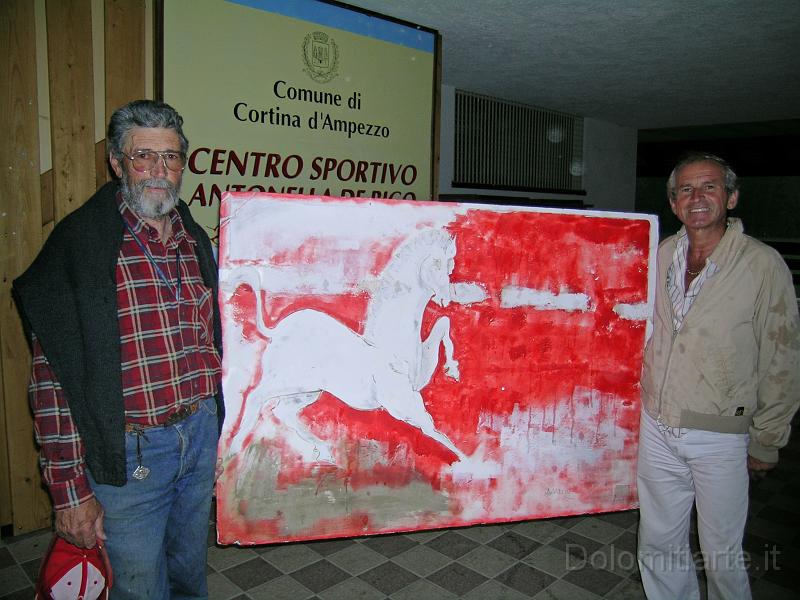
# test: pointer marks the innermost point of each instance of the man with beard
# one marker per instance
(121, 308)
(720, 384)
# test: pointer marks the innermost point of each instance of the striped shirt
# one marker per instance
(680, 297)
(165, 315)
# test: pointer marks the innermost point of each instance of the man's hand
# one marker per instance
(758, 468)
(81, 525)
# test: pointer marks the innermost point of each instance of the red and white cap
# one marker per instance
(72, 573)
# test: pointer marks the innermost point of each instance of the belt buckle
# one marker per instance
(184, 411)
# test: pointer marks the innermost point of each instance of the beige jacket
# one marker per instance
(734, 365)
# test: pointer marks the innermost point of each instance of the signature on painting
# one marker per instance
(557, 492)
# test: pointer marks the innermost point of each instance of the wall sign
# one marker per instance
(301, 97)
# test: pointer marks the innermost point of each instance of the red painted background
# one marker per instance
(527, 360)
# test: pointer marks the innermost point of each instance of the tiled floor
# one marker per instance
(571, 558)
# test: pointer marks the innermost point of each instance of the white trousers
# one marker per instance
(678, 468)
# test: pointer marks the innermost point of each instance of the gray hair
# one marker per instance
(731, 184)
(142, 113)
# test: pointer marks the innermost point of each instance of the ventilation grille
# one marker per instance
(512, 146)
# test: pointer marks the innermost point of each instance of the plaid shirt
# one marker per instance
(168, 354)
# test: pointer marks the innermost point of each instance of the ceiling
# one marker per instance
(646, 64)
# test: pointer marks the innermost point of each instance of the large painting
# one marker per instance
(399, 365)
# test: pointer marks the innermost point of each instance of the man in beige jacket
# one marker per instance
(720, 385)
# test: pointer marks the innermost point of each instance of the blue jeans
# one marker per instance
(157, 527)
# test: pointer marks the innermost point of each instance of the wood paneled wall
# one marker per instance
(31, 202)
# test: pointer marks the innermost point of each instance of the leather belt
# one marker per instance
(184, 411)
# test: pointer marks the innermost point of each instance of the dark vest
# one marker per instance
(68, 298)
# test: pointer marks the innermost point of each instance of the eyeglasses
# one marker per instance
(146, 160)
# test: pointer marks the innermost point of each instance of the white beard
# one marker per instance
(143, 206)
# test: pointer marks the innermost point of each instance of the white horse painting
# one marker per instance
(309, 351)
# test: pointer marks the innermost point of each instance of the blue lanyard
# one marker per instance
(177, 290)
